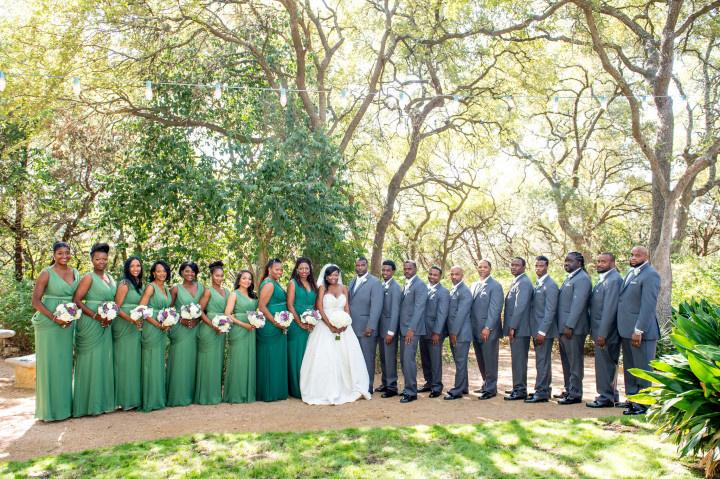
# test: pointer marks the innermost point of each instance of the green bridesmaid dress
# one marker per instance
(154, 342)
(297, 337)
(271, 353)
(94, 383)
(240, 372)
(126, 354)
(54, 352)
(182, 356)
(210, 353)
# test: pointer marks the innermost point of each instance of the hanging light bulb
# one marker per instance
(603, 101)
(217, 94)
(3, 81)
(283, 96)
(148, 90)
(76, 86)
(556, 104)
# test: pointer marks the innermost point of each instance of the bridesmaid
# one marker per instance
(211, 341)
(154, 339)
(94, 383)
(272, 383)
(240, 372)
(182, 356)
(53, 337)
(301, 295)
(127, 337)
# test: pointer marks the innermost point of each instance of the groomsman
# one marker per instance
(388, 339)
(573, 325)
(460, 331)
(517, 327)
(412, 327)
(431, 345)
(603, 326)
(543, 325)
(637, 322)
(366, 304)
(487, 303)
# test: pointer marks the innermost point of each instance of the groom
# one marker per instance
(366, 305)
(412, 327)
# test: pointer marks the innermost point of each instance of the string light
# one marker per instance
(148, 90)
(283, 96)
(3, 81)
(76, 86)
(217, 94)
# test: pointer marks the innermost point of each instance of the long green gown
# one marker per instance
(182, 356)
(271, 353)
(154, 343)
(54, 352)
(126, 354)
(210, 353)
(94, 383)
(297, 337)
(240, 373)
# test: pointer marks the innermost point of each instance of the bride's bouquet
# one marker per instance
(168, 317)
(108, 310)
(311, 317)
(67, 312)
(284, 319)
(222, 322)
(190, 311)
(141, 313)
(339, 319)
(256, 318)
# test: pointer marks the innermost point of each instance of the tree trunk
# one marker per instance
(681, 223)
(18, 226)
(660, 259)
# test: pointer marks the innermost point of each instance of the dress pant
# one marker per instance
(606, 363)
(388, 362)
(639, 357)
(519, 348)
(431, 360)
(460, 356)
(408, 353)
(487, 355)
(543, 368)
(367, 344)
(574, 364)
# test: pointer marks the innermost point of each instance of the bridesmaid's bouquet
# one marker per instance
(284, 319)
(168, 317)
(190, 311)
(67, 312)
(256, 318)
(222, 322)
(108, 310)
(311, 317)
(339, 319)
(141, 313)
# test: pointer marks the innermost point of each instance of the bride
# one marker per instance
(333, 370)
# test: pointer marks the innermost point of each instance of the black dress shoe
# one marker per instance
(486, 395)
(435, 394)
(451, 397)
(569, 400)
(508, 391)
(478, 391)
(388, 394)
(425, 389)
(515, 397)
(380, 389)
(623, 404)
(535, 399)
(561, 395)
(598, 404)
(408, 398)
(635, 409)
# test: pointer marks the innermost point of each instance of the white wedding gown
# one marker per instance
(333, 371)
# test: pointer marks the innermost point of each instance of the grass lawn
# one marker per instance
(585, 448)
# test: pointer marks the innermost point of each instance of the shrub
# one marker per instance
(685, 399)
(16, 311)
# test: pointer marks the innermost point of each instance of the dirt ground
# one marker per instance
(21, 437)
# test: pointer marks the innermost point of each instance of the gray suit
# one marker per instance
(485, 312)
(389, 320)
(459, 324)
(636, 310)
(573, 313)
(517, 317)
(436, 312)
(412, 315)
(603, 322)
(365, 309)
(544, 318)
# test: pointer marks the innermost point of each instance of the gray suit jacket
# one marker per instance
(459, 322)
(366, 305)
(544, 309)
(637, 303)
(487, 308)
(573, 304)
(604, 304)
(412, 308)
(517, 307)
(436, 311)
(389, 318)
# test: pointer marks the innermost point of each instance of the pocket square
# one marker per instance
(633, 282)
